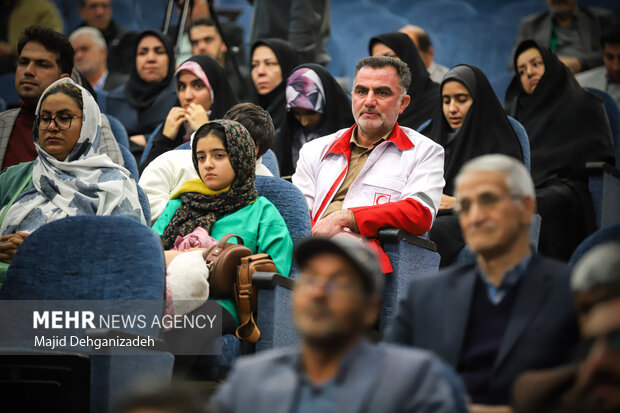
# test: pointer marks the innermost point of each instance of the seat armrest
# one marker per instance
(604, 186)
(395, 235)
(271, 280)
(600, 168)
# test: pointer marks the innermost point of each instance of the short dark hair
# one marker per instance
(52, 41)
(379, 62)
(203, 21)
(257, 121)
(424, 42)
(611, 35)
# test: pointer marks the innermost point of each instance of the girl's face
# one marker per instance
(191, 89)
(58, 137)
(309, 119)
(214, 165)
(152, 60)
(531, 68)
(456, 103)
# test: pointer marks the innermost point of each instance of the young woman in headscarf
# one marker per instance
(470, 122)
(224, 200)
(317, 106)
(203, 93)
(69, 177)
(423, 91)
(272, 60)
(145, 100)
(567, 127)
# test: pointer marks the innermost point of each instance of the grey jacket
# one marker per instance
(381, 378)
(591, 22)
(108, 145)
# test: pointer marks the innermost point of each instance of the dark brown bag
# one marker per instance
(246, 296)
(223, 259)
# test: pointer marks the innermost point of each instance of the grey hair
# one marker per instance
(94, 34)
(518, 179)
(600, 267)
(379, 62)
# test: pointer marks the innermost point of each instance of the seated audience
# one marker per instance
(423, 42)
(508, 312)
(375, 174)
(471, 122)
(304, 24)
(421, 88)
(69, 177)
(91, 54)
(119, 40)
(317, 106)
(44, 57)
(17, 15)
(145, 100)
(573, 33)
(272, 60)
(337, 298)
(606, 77)
(205, 39)
(567, 127)
(179, 397)
(224, 200)
(203, 94)
(166, 173)
(592, 384)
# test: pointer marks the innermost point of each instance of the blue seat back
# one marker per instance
(119, 131)
(291, 203)
(271, 162)
(613, 115)
(601, 236)
(7, 89)
(523, 140)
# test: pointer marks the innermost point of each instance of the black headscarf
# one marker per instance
(274, 102)
(141, 94)
(566, 125)
(423, 91)
(337, 114)
(223, 96)
(486, 128)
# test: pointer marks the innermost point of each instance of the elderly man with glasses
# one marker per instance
(509, 311)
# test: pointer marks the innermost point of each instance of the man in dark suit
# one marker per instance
(509, 311)
(336, 298)
(572, 32)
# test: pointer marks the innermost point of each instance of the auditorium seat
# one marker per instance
(106, 258)
(601, 236)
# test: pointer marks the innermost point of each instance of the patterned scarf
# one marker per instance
(86, 183)
(200, 206)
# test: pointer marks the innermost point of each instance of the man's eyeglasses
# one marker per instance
(331, 288)
(62, 121)
(485, 201)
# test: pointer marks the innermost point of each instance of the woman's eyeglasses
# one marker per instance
(62, 121)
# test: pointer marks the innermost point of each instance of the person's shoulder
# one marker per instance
(535, 18)
(10, 113)
(419, 140)
(442, 277)
(324, 141)
(598, 12)
(594, 74)
(554, 268)
(16, 172)
(409, 359)
(267, 359)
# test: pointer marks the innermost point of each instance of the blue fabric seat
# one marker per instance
(271, 162)
(97, 258)
(119, 131)
(601, 236)
(523, 140)
(130, 165)
(613, 115)
(7, 89)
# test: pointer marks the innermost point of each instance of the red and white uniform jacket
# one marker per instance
(400, 185)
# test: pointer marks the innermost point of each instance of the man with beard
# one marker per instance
(337, 297)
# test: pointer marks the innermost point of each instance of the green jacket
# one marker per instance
(11, 179)
(259, 224)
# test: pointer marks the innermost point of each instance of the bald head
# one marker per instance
(422, 42)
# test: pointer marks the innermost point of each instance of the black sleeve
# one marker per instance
(162, 144)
